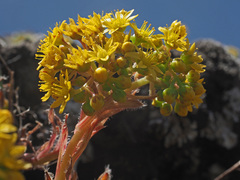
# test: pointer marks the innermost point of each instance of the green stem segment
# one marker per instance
(139, 83)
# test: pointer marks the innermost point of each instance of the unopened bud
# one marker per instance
(193, 76)
(101, 74)
(87, 108)
(157, 103)
(170, 95)
(187, 93)
(97, 102)
(121, 61)
(186, 58)
(166, 109)
(178, 66)
(128, 47)
(181, 109)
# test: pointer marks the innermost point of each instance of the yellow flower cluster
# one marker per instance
(10, 164)
(110, 60)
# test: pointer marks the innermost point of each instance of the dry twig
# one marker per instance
(234, 167)
(11, 83)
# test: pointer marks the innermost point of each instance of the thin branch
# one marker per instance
(234, 167)
(1, 90)
(11, 82)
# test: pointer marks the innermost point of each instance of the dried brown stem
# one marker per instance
(11, 82)
(234, 167)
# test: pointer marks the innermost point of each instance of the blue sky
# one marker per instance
(216, 19)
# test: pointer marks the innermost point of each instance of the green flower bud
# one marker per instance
(100, 74)
(166, 109)
(97, 102)
(180, 109)
(119, 95)
(189, 59)
(178, 66)
(193, 76)
(187, 93)
(186, 58)
(169, 95)
(157, 103)
(87, 108)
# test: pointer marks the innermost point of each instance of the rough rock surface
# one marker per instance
(142, 144)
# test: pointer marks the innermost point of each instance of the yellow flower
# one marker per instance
(52, 58)
(144, 31)
(92, 24)
(56, 36)
(143, 34)
(50, 54)
(175, 36)
(103, 53)
(84, 27)
(147, 59)
(61, 91)
(119, 21)
(78, 60)
(6, 127)
(47, 79)
(72, 29)
(10, 154)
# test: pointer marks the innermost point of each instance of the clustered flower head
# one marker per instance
(113, 58)
(10, 153)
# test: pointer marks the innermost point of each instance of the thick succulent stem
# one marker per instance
(86, 128)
